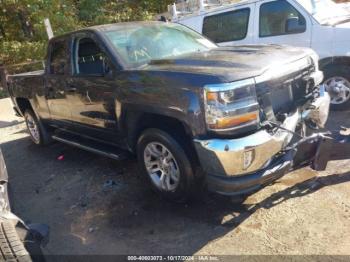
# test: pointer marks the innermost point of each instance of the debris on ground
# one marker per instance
(92, 229)
(110, 185)
(83, 201)
(60, 158)
(49, 179)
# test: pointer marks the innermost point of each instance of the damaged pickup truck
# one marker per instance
(233, 117)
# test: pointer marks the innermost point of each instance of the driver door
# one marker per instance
(92, 90)
(281, 22)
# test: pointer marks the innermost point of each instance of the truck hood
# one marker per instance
(232, 63)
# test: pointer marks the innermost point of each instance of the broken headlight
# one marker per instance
(231, 105)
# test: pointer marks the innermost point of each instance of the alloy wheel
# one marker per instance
(33, 128)
(161, 166)
(339, 89)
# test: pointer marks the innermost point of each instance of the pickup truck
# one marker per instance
(193, 113)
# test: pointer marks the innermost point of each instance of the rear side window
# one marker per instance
(228, 26)
(280, 18)
(58, 61)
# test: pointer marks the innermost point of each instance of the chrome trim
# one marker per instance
(224, 157)
(229, 86)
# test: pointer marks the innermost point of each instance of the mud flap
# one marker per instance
(317, 150)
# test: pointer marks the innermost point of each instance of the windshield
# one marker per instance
(139, 44)
(324, 11)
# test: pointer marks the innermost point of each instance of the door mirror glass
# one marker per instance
(293, 25)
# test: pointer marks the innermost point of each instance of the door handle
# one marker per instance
(72, 89)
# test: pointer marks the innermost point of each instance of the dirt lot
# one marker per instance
(303, 213)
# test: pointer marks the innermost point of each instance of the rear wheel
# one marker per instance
(337, 81)
(166, 165)
(37, 131)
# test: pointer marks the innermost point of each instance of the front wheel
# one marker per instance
(337, 82)
(165, 163)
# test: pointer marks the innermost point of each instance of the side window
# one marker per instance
(280, 18)
(228, 26)
(89, 58)
(58, 60)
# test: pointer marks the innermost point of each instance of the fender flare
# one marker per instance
(334, 60)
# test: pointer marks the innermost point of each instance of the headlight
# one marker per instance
(232, 105)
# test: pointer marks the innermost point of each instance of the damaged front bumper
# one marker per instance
(242, 165)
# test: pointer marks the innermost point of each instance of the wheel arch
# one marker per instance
(136, 122)
(326, 62)
(23, 104)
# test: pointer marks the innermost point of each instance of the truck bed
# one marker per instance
(26, 85)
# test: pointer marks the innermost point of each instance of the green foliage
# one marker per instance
(3, 93)
(22, 32)
(17, 52)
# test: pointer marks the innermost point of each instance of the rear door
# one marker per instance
(282, 22)
(55, 81)
(93, 89)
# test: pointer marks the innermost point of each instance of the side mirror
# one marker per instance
(294, 25)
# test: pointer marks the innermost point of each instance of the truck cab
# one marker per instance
(305, 23)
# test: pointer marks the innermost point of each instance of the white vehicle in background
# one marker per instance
(319, 24)
(345, 5)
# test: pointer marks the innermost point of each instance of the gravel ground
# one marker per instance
(304, 213)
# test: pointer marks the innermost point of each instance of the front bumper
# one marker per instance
(237, 166)
(249, 183)
(236, 157)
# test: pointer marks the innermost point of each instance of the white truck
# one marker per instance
(320, 24)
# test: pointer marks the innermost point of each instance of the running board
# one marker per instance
(91, 145)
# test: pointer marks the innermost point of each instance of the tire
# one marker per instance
(12, 248)
(40, 135)
(340, 74)
(180, 183)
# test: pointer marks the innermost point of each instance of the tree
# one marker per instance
(22, 31)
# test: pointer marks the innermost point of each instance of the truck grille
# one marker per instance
(284, 94)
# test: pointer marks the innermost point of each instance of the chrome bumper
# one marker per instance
(244, 155)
